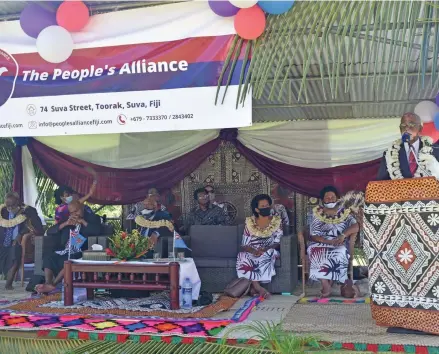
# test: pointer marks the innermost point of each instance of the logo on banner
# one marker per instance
(8, 76)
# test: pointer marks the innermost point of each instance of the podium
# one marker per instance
(401, 229)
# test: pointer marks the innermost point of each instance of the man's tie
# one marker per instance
(413, 165)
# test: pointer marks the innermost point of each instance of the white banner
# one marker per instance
(119, 85)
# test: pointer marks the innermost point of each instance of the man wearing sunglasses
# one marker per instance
(413, 155)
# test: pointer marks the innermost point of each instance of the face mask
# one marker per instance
(330, 205)
(265, 211)
(68, 199)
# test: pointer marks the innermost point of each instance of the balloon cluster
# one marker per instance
(250, 17)
(51, 23)
(428, 111)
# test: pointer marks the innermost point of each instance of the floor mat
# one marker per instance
(147, 325)
(156, 305)
(317, 300)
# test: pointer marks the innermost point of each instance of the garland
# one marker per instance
(142, 222)
(342, 215)
(19, 219)
(392, 159)
(257, 231)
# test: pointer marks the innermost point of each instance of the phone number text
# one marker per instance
(163, 117)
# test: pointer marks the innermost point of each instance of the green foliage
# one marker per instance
(126, 246)
(273, 339)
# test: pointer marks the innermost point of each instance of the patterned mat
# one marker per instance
(317, 300)
(53, 304)
(96, 323)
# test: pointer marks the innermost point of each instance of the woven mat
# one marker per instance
(37, 306)
(319, 301)
(346, 324)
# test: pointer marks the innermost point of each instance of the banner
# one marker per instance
(126, 85)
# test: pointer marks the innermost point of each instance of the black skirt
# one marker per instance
(9, 255)
(55, 262)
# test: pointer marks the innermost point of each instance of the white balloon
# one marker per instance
(55, 44)
(426, 110)
(243, 4)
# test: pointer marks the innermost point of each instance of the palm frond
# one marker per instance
(347, 40)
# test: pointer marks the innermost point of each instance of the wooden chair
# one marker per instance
(303, 238)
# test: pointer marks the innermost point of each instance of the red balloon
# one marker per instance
(430, 130)
(72, 15)
(250, 22)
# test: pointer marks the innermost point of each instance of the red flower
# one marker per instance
(109, 252)
(123, 235)
(132, 246)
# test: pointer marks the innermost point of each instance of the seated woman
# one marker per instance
(53, 264)
(260, 245)
(64, 195)
(331, 227)
(152, 221)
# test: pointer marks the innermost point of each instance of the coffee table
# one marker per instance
(90, 280)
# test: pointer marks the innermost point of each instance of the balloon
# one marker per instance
(275, 7)
(37, 16)
(55, 44)
(426, 110)
(430, 130)
(73, 15)
(244, 4)
(437, 99)
(250, 23)
(223, 8)
(436, 120)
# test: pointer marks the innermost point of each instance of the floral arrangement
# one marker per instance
(126, 246)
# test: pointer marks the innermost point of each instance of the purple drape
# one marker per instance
(124, 186)
(116, 186)
(17, 185)
(308, 181)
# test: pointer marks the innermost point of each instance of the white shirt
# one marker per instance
(415, 146)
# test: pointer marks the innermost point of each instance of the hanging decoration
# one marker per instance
(250, 23)
(426, 110)
(47, 48)
(223, 8)
(37, 16)
(73, 15)
(275, 7)
(51, 23)
(244, 4)
(430, 130)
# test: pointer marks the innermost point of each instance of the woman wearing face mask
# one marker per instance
(330, 228)
(64, 196)
(260, 245)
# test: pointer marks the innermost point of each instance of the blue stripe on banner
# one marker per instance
(198, 75)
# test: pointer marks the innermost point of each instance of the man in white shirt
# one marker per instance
(403, 159)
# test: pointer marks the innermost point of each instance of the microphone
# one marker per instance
(406, 137)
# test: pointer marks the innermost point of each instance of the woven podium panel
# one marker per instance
(402, 244)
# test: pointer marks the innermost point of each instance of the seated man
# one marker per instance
(139, 207)
(416, 156)
(18, 223)
(53, 264)
(205, 213)
(152, 222)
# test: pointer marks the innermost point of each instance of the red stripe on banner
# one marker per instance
(191, 50)
(372, 348)
(421, 350)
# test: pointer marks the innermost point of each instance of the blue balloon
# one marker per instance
(275, 7)
(436, 120)
(21, 141)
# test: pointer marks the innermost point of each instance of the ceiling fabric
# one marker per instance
(309, 144)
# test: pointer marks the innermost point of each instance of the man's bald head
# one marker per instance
(411, 123)
(76, 209)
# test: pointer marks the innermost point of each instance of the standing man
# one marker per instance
(412, 155)
(18, 224)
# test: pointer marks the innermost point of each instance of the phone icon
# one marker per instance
(121, 119)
